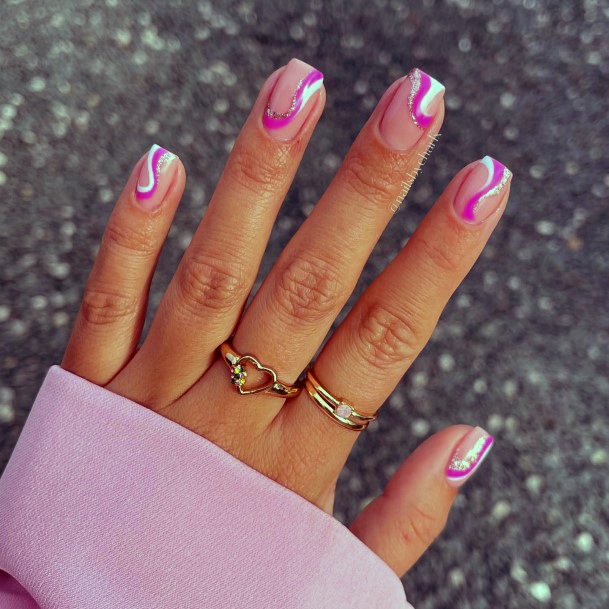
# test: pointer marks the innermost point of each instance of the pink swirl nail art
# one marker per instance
(158, 158)
(306, 87)
(468, 456)
(424, 90)
(497, 177)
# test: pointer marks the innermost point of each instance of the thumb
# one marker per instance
(412, 511)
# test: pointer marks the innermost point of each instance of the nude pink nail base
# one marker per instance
(157, 162)
(481, 192)
(287, 107)
(469, 454)
(304, 89)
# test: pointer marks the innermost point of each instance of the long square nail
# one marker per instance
(289, 103)
(482, 190)
(412, 109)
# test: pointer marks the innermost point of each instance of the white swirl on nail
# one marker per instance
(156, 160)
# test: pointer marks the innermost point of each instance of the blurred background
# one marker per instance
(86, 86)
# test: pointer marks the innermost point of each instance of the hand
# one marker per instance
(178, 371)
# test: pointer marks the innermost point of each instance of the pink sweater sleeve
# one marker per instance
(106, 504)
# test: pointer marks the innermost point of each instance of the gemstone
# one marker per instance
(238, 375)
(344, 411)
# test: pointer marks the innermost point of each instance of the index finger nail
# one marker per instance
(288, 104)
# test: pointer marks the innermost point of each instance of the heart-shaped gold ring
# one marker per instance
(238, 377)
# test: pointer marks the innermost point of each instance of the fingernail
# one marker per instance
(289, 103)
(468, 456)
(411, 110)
(155, 178)
(481, 193)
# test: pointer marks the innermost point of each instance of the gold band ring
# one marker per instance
(238, 375)
(337, 409)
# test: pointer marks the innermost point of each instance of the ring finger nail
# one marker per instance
(288, 105)
(155, 178)
(411, 110)
(469, 454)
(481, 193)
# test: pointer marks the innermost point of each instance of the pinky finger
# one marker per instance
(110, 320)
(412, 511)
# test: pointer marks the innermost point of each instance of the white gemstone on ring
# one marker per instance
(344, 411)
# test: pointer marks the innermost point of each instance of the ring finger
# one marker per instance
(392, 321)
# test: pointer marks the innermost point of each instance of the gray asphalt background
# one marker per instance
(86, 86)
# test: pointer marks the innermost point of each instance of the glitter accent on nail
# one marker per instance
(306, 87)
(415, 79)
(424, 90)
(498, 176)
(461, 467)
(158, 158)
(164, 160)
(497, 189)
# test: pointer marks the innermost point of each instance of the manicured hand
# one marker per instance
(178, 371)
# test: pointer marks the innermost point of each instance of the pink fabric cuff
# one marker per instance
(106, 504)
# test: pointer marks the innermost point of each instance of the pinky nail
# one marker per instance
(154, 178)
(469, 454)
(482, 191)
(412, 109)
(288, 105)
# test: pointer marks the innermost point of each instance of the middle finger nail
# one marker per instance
(412, 110)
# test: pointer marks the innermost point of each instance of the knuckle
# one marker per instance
(308, 289)
(100, 307)
(441, 256)
(386, 337)
(129, 239)
(257, 170)
(373, 181)
(421, 525)
(206, 283)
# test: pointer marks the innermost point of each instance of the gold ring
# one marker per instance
(238, 375)
(338, 409)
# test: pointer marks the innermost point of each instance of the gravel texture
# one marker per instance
(86, 86)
